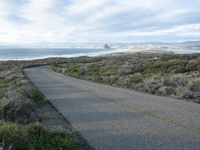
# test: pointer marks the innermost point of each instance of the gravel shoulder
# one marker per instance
(53, 121)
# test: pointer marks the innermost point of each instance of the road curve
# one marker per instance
(111, 118)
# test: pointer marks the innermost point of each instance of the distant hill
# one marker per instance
(106, 46)
(192, 42)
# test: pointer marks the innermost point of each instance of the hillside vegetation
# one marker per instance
(160, 74)
(20, 102)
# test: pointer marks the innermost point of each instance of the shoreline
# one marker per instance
(112, 52)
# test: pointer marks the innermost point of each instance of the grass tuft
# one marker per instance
(34, 137)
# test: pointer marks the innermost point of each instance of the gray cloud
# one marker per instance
(99, 20)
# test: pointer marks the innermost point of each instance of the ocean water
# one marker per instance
(37, 53)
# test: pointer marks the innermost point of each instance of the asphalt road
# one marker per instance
(111, 118)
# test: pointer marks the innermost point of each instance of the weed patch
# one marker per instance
(33, 137)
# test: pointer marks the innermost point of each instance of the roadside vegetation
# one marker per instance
(171, 75)
(20, 104)
(32, 137)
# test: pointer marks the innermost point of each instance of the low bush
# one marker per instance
(13, 137)
(33, 137)
(2, 94)
(7, 81)
(32, 93)
(167, 66)
(37, 97)
(40, 139)
(161, 74)
(195, 86)
(107, 71)
(92, 71)
(136, 78)
(19, 111)
(73, 69)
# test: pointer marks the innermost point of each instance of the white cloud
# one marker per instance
(172, 15)
(98, 20)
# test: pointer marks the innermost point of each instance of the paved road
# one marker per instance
(111, 118)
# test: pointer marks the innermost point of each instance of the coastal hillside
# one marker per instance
(161, 74)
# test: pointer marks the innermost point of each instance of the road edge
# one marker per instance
(80, 142)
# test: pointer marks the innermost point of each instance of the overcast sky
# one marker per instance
(99, 20)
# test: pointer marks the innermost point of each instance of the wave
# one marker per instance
(90, 54)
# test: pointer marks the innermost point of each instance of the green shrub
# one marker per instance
(33, 94)
(188, 56)
(55, 65)
(6, 82)
(34, 137)
(136, 78)
(73, 70)
(168, 66)
(153, 88)
(169, 91)
(194, 66)
(3, 84)
(195, 86)
(180, 69)
(22, 92)
(2, 94)
(107, 71)
(43, 140)
(37, 97)
(92, 71)
(13, 136)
